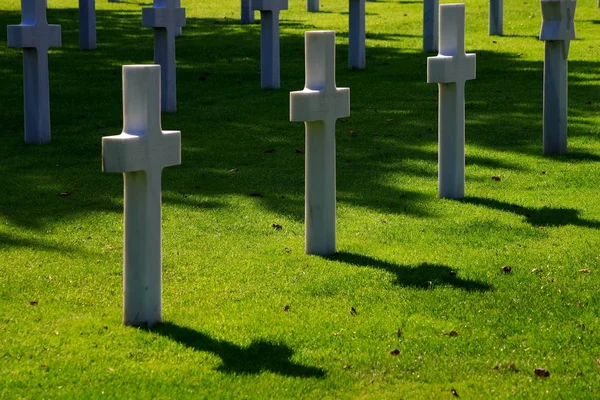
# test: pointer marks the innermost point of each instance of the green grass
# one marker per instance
(407, 260)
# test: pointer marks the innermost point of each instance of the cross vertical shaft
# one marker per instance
(357, 35)
(430, 25)
(87, 24)
(312, 5)
(247, 12)
(269, 49)
(496, 18)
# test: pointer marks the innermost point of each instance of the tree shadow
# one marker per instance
(260, 356)
(422, 276)
(544, 216)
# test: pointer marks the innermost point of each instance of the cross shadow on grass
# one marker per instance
(544, 216)
(422, 276)
(260, 356)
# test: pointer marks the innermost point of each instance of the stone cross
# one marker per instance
(495, 19)
(35, 36)
(87, 24)
(430, 25)
(140, 153)
(557, 31)
(450, 69)
(319, 105)
(166, 19)
(179, 30)
(247, 12)
(269, 40)
(356, 35)
(313, 5)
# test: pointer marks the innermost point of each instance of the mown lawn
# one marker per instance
(415, 304)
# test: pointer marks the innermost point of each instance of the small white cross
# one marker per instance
(35, 36)
(450, 69)
(319, 105)
(452, 64)
(140, 153)
(166, 19)
(558, 22)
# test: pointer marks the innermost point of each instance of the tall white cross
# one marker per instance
(140, 153)
(87, 24)
(35, 36)
(319, 105)
(166, 19)
(557, 31)
(450, 69)
(269, 40)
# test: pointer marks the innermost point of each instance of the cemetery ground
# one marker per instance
(426, 298)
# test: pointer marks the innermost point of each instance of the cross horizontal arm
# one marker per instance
(39, 37)
(163, 17)
(312, 105)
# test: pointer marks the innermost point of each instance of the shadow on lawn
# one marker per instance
(386, 158)
(422, 276)
(544, 216)
(261, 356)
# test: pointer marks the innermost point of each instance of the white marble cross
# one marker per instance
(140, 153)
(557, 31)
(269, 40)
(166, 19)
(357, 35)
(35, 36)
(319, 105)
(87, 24)
(496, 18)
(450, 69)
(247, 12)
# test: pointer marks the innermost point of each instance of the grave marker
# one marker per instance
(247, 12)
(269, 40)
(166, 19)
(87, 24)
(557, 31)
(35, 36)
(140, 153)
(450, 69)
(319, 105)
(430, 25)
(313, 5)
(495, 19)
(357, 35)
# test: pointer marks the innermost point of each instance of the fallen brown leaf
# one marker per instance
(496, 178)
(542, 372)
(353, 311)
(507, 269)
(33, 303)
(585, 270)
(454, 393)
(286, 308)
(277, 227)
(395, 352)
